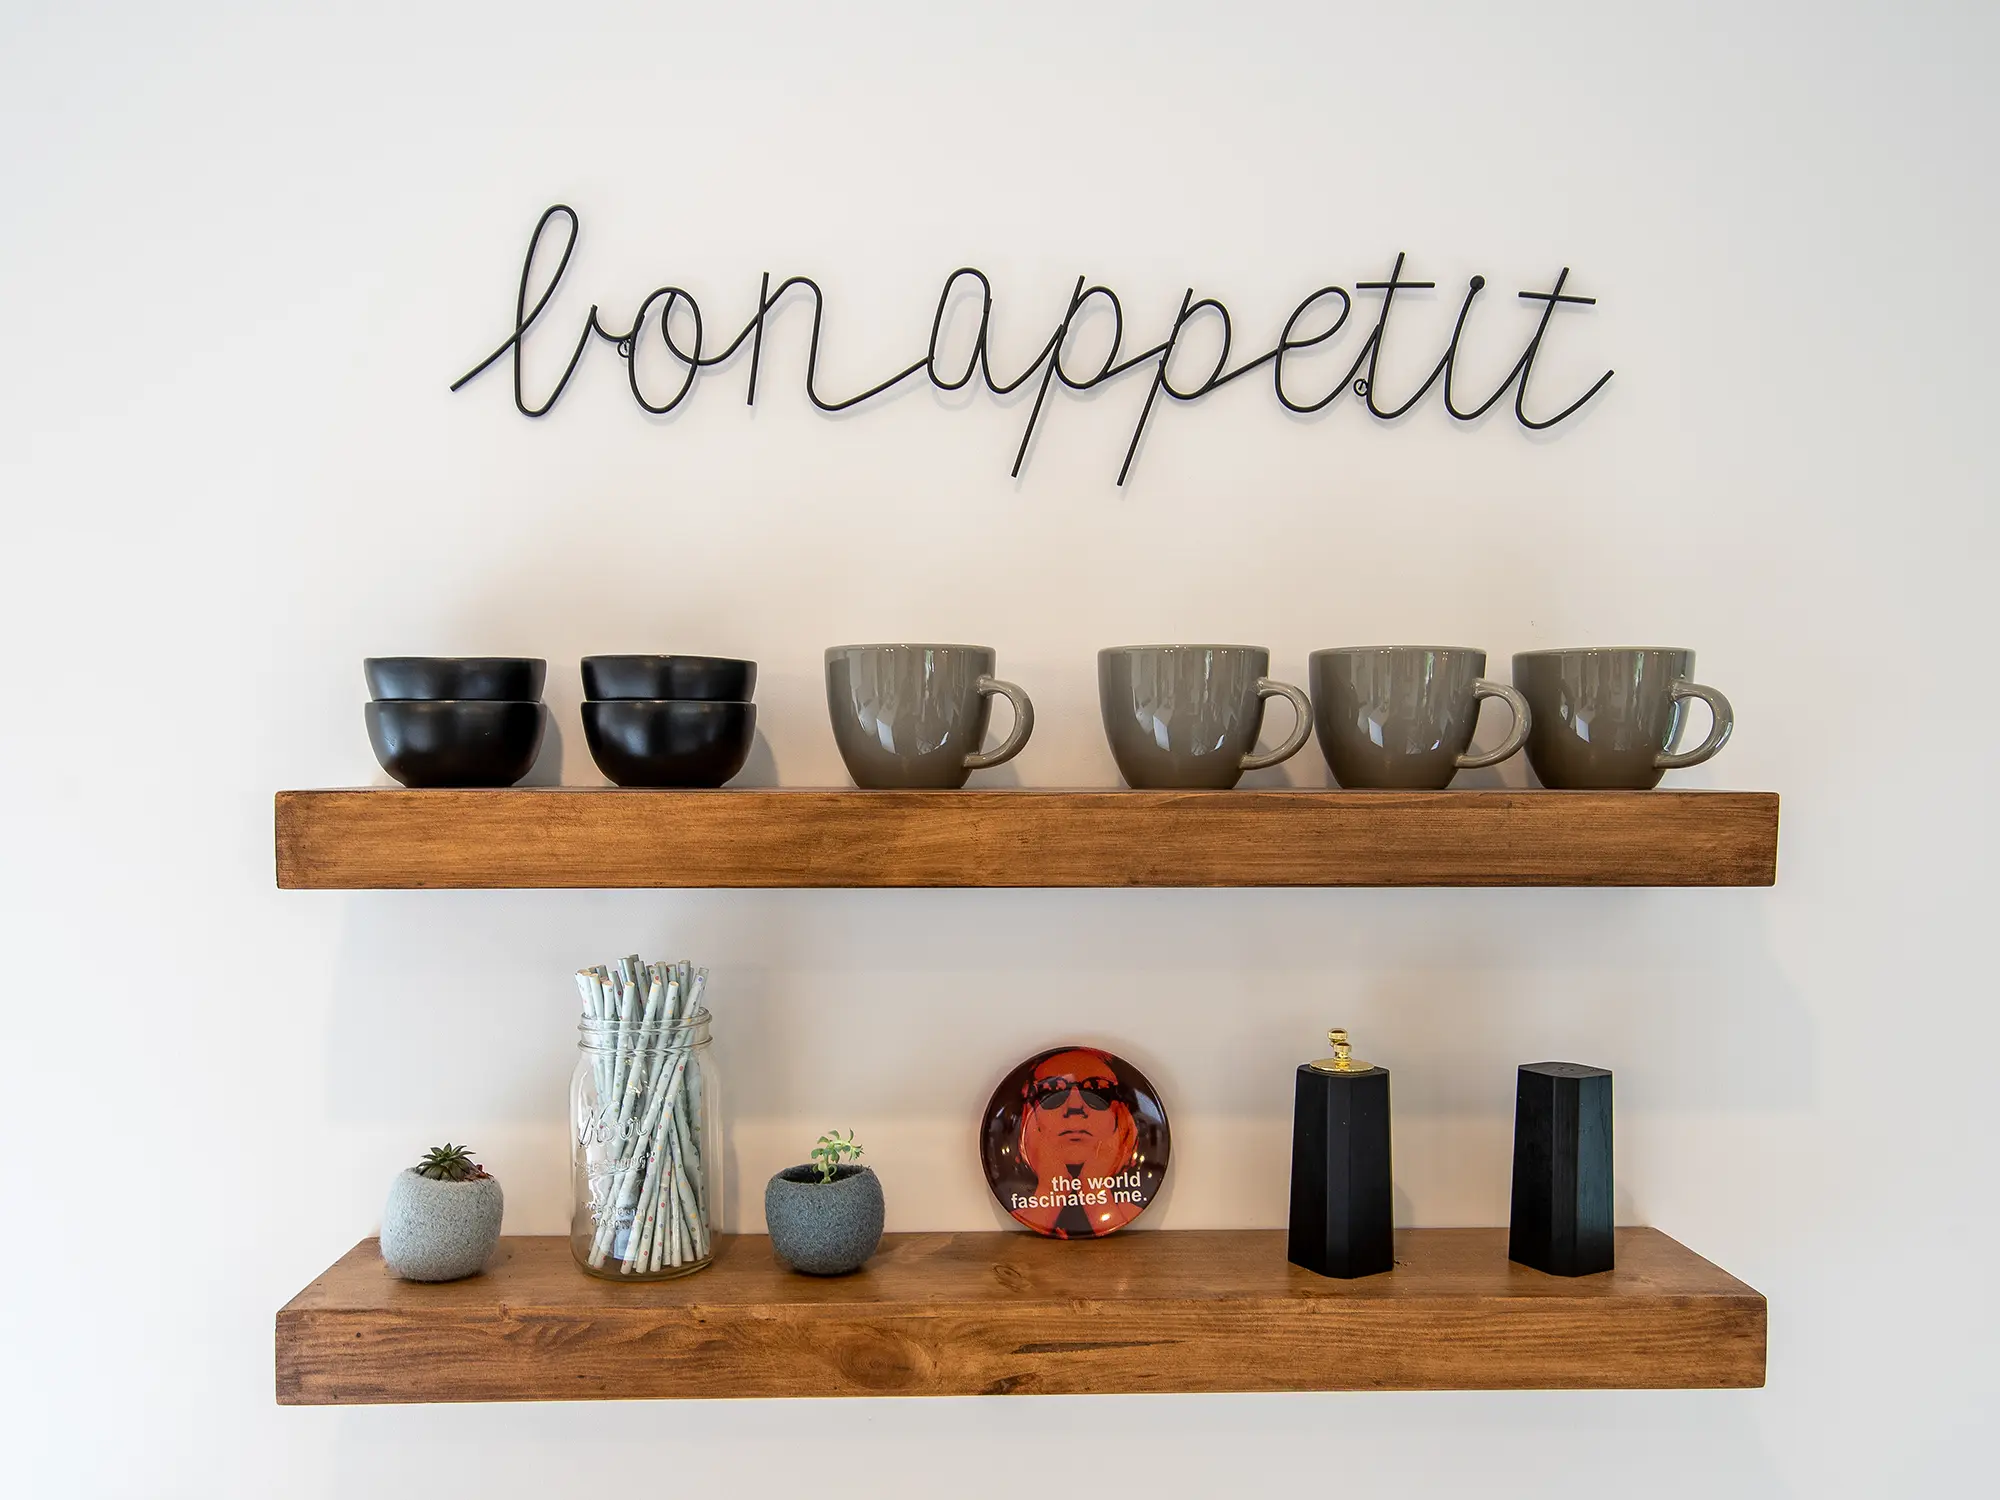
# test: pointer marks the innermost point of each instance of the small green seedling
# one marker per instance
(449, 1163)
(831, 1149)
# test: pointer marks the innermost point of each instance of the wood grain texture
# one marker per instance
(1010, 1314)
(608, 837)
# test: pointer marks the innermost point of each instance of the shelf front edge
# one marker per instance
(607, 838)
(1008, 1314)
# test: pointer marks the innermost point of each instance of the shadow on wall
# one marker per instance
(1519, 1443)
(548, 767)
(902, 1008)
(556, 597)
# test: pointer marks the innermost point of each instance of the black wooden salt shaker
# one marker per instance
(1562, 1169)
(1342, 1215)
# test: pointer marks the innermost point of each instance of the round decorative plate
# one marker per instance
(1074, 1142)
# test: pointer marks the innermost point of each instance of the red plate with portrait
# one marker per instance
(1074, 1142)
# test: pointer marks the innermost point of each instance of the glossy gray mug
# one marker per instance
(1610, 716)
(1188, 716)
(915, 716)
(1403, 716)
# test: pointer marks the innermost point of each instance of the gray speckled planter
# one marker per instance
(439, 1231)
(824, 1228)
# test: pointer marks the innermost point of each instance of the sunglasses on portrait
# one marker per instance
(1053, 1093)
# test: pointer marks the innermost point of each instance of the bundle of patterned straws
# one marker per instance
(649, 1191)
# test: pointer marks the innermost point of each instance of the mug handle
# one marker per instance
(1268, 687)
(1024, 725)
(1718, 732)
(1515, 739)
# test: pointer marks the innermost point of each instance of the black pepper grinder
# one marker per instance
(1342, 1214)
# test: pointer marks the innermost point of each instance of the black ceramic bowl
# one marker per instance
(454, 743)
(646, 742)
(711, 679)
(512, 679)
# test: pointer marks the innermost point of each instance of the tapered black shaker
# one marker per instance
(1342, 1218)
(1561, 1219)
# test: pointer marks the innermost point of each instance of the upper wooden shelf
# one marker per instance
(389, 838)
(999, 1314)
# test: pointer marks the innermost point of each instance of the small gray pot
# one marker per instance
(439, 1231)
(824, 1228)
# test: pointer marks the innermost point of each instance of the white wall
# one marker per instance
(246, 249)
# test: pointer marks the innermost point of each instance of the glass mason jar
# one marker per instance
(645, 1125)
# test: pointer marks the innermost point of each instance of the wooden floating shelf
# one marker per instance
(1015, 1314)
(603, 837)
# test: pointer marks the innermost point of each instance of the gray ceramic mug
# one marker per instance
(1610, 716)
(1403, 716)
(1188, 716)
(915, 716)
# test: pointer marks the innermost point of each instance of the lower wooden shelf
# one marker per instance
(1014, 1314)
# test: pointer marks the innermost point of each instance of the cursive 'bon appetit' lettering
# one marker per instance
(1331, 303)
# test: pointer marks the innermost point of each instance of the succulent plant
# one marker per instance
(449, 1163)
(831, 1148)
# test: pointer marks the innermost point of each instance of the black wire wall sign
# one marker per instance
(1048, 363)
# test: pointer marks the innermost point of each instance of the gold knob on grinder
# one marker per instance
(1343, 1059)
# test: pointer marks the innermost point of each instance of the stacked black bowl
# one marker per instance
(669, 720)
(456, 720)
